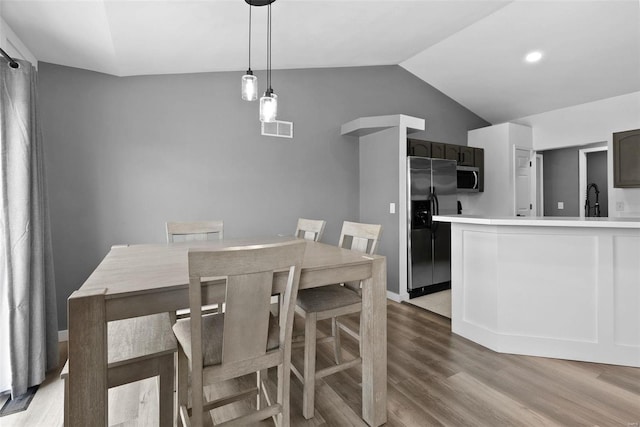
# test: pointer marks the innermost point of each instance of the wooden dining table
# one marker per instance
(139, 280)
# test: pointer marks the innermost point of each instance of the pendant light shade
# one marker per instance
(268, 107)
(269, 102)
(249, 86)
(249, 81)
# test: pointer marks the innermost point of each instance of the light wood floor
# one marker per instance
(434, 378)
(438, 302)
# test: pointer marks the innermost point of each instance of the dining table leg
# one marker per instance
(373, 335)
(87, 347)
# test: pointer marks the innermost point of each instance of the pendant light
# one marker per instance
(269, 102)
(249, 81)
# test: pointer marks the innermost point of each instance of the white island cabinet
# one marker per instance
(557, 287)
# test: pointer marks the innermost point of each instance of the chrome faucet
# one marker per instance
(587, 205)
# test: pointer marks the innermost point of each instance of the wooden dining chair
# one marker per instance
(195, 230)
(139, 348)
(245, 338)
(190, 231)
(329, 302)
(310, 229)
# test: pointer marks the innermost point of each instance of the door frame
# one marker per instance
(582, 172)
(539, 186)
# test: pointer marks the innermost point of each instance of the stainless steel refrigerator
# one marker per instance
(432, 187)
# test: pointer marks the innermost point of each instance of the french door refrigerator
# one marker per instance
(432, 187)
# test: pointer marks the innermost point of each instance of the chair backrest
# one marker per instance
(360, 237)
(310, 229)
(195, 230)
(249, 272)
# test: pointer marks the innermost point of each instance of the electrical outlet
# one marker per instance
(619, 206)
(560, 205)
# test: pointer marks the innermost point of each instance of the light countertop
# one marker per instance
(543, 221)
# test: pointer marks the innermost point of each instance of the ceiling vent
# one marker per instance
(278, 128)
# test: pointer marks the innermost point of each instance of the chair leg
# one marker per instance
(309, 374)
(337, 349)
(182, 389)
(165, 390)
(360, 335)
(197, 396)
(66, 402)
(284, 390)
(261, 401)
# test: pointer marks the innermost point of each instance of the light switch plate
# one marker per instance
(560, 205)
(392, 208)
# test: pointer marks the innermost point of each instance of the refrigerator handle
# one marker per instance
(436, 210)
(430, 208)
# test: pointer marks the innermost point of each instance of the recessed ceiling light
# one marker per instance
(534, 56)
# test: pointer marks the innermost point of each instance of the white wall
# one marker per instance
(12, 45)
(589, 123)
(498, 142)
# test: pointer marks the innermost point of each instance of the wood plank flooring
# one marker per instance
(435, 378)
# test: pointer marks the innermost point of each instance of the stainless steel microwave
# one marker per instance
(468, 179)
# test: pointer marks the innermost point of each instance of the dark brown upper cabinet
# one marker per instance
(452, 152)
(626, 159)
(416, 147)
(437, 150)
(466, 157)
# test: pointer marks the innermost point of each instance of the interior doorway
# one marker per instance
(593, 176)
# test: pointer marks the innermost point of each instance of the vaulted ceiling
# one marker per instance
(472, 50)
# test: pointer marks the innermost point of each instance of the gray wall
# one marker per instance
(379, 172)
(562, 180)
(125, 154)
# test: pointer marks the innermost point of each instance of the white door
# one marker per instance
(522, 182)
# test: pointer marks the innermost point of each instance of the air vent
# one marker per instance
(278, 128)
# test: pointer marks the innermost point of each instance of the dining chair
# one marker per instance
(245, 338)
(310, 229)
(138, 348)
(190, 231)
(330, 302)
(195, 230)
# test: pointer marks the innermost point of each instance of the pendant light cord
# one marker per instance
(269, 48)
(249, 37)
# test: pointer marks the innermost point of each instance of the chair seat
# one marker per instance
(213, 326)
(139, 338)
(326, 298)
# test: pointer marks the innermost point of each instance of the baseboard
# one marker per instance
(63, 335)
(396, 297)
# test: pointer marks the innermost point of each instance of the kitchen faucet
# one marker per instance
(587, 205)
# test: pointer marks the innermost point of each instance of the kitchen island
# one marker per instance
(557, 287)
